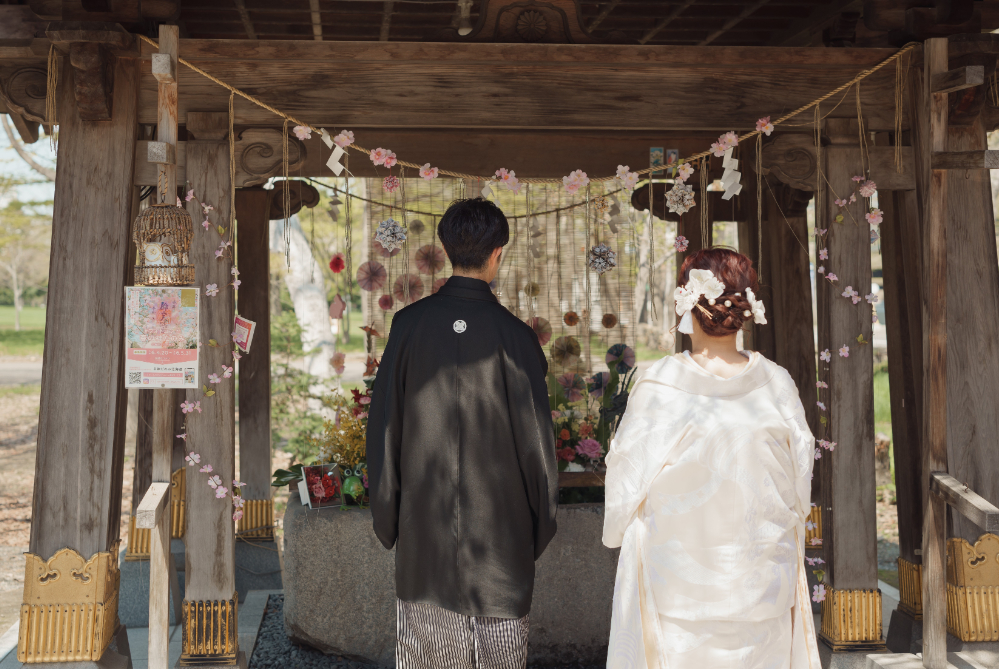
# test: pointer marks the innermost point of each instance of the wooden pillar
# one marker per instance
(252, 207)
(209, 536)
(851, 612)
(78, 467)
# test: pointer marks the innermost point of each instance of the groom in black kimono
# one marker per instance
(461, 459)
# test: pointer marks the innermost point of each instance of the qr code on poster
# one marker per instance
(135, 377)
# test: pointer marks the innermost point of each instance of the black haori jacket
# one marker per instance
(461, 453)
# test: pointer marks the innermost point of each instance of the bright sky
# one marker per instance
(11, 165)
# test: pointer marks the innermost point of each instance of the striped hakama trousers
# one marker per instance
(429, 637)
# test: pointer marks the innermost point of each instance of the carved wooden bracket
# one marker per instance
(791, 159)
(541, 21)
(302, 194)
(23, 91)
(90, 53)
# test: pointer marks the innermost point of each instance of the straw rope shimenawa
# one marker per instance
(461, 175)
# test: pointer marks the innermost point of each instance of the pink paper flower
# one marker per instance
(429, 173)
(556, 415)
(681, 243)
(214, 481)
(832, 277)
(840, 202)
(237, 500)
(765, 126)
(589, 448)
(212, 289)
(238, 515)
(513, 186)
(823, 254)
(853, 198)
(197, 406)
(226, 372)
(182, 436)
(844, 351)
(338, 362)
(205, 208)
(502, 173)
(874, 317)
(189, 196)
(390, 184)
(821, 269)
(729, 139)
(871, 298)
(390, 159)
(506, 176)
(236, 283)
(213, 378)
(236, 355)
(818, 455)
(818, 591)
(187, 407)
(859, 179)
(821, 406)
(206, 224)
(219, 252)
(378, 156)
(814, 561)
(221, 492)
(825, 356)
(821, 384)
(630, 181)
(849, 292)
(577, 179)
(816, 541)
(237, 484)
(234, 271)
(622, 171)
(192, 459)
(718, 149)
(875, 217)
(820, 231)
(303, 132)
(684, 171)
(207, 469)
(344, 139)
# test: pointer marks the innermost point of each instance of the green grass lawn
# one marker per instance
(32, 318)
(30, 339)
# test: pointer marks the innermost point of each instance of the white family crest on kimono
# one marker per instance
(708, 487)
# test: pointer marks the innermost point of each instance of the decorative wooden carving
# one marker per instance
(791, 158)
(90, 54)
(23, 91)
(70, 609)
(259, 155)
(540, 21)
(302, 195)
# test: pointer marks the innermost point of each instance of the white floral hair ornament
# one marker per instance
(701, 282)
(756, 308)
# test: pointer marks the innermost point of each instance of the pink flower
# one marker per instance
(818, 455)
(214, 481)
(577, 179)
(182, 436)
(502, 173)
(192, 459)
(874, 317)
(390, 184)
(197, 406)
(219, 252)
(875, 217)
(821, 406)
(821, 269)
(237, 500)
(205, 208)
(429, 173)
(206, 224)
(556, 415)
(718, 149)
(237, 484)
(871, 298)
(729, 139)
(630, 181)
(818, 591)
(213, 378)
(820, 231)
(765, 126)
(226, 372)
(187, 407)
(825, 356)
(840, 202)
(390, 159)
(212, 289)
(303, 132)
(684, 171)
(207, 469)
(378, 156)
(823, 254)
(858, 179)
(853, 198)
(236, 355)
(238, 515)
(513, 185)
(344, 139)
(832, 277)
(189, 196)
(589, 448)
(622, 171)
(850, 292)
(506, 176)
(234, 271)
(179, 203)
(338, 362)
(816, 541)
(236, 283)
(681, 243)
(821, 384)
(844, 351)
(221, 492)
(814, 561)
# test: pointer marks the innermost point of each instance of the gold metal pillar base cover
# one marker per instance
(973, 589)
(209, 632)
(851, 620)
(257, 523)
(910, 588)
(70, 609)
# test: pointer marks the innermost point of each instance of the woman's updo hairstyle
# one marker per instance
(736, 272)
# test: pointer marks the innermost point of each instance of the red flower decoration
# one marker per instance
(566, 454)
(337, 263)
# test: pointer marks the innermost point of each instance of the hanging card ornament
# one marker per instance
(337, 307)
(415, 288)
(390, 234)
(536, 230)
(334, 161)
(602, 259)
(371, 275)
(534, 248)
(565, 351)
(542, 328)
(731, 178)
(486, 190)
(680, 198)
(429, 259)
(601, 205)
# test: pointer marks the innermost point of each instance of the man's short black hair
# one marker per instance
(470, 230)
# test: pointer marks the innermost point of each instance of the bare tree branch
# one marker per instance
(47, 172)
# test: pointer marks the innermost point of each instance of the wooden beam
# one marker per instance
(152, 508)
(970, 504)
(244, 16)
(386, 21)
(665, 21)
(604, 13)
(166, 116)
(966, 160)
(959, 79)
(27, 130)
(317, 20)
(732, 22)
(801, 32)
(935, 453)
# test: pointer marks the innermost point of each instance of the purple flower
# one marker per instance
(589, 448)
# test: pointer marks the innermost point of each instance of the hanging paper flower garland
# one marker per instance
(509, 179)
(390, 184)
(602, 259)
(573, 385)
(727, 141)
(385, 302)
(344, 139)
(371, 275)
(429, 173)
(681, 243)
(429, 259)
(609, 321)
(684, 171)
(337, 263)
(765, 126)
(390, 234)
(303, 132)
(542, 328)
(626, 177)
(680, 198)
(565, 351)
(338, 362)
(415, 288)
(577, 179)
(571, 318)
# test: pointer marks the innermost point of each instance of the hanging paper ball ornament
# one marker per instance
(337, 307)
(429, 259)
(385, 302)
(571, 318)
(390, 184)
(416, 226)
(371, 275)
(542, 328)
(622, 355)
(352, 486)
(337, 263)
(601, 205)
(390, 234)
(532, 289)
(438, 284)
(573, 385)
(565, 351)
(415, 288)
(609, 321)
(338, 362)
(680, 198)
(602, 259)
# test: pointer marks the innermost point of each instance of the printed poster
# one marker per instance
(161, 337)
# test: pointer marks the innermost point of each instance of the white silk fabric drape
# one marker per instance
(708, 484)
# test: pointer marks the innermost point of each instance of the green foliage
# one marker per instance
(32, 318)
(293, 421)
(22, 343)
(882, 400)
(283, 477)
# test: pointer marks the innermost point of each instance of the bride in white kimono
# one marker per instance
(707, 493)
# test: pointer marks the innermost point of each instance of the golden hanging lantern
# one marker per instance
(162, 235)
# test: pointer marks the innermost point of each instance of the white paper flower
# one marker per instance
(701, 282)
(602, 259)
(390, 235)
(759, 311)
(680, 198)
